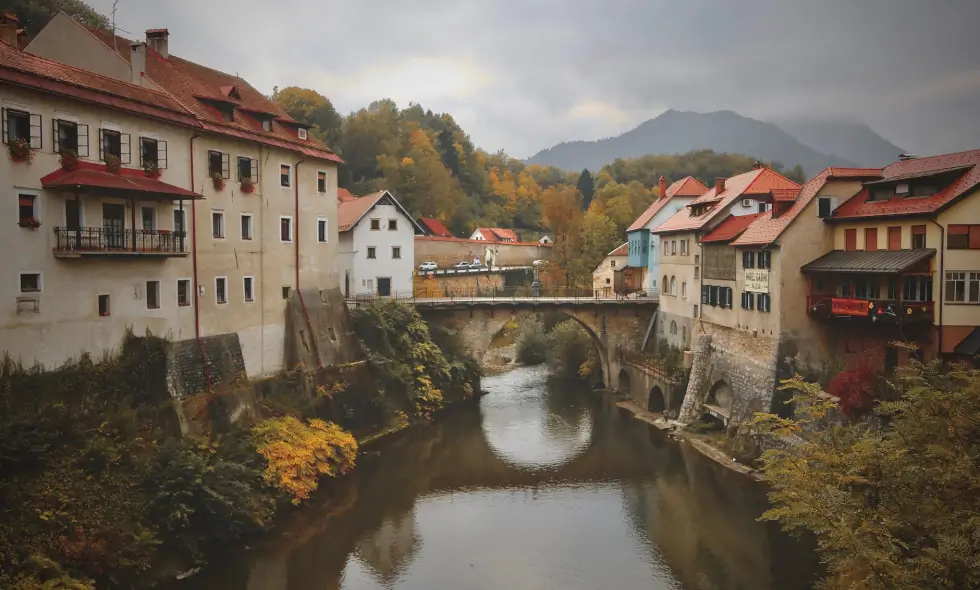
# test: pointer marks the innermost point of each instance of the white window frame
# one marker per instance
(291, 179)
(155, 223)
(245, 291)
(38, 200)
(190, 291)
(216, 279)
(251, 227)
(40, 281)
(326, 230)
(292, 230)
(146, 295)
(224, 224)
(368, 252)
(301, 133)
(183, 212)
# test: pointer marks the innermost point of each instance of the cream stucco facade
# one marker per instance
(680, 287)
(604, 276)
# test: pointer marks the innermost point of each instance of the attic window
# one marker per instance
(923, 190)
(881, 194)
(267, 125)
(227, 112)
(301, 132)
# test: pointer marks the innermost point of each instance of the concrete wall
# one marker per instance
(679, 309)
(363, 269)
(63, 40)
(448, 251)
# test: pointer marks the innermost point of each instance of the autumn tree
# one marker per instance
(561, 212)
(586, 188)
(891, 501)
(310, 107)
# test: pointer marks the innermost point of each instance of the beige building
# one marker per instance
(243, 211)
(604, 276)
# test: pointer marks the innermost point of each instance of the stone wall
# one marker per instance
(483, 284)
(333, 340)
(448, 251)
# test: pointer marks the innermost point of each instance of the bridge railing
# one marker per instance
(492, 293)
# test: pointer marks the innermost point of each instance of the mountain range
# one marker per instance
(812, 143)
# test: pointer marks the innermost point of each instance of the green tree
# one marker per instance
(892, 501)
(310, 107)
(35, 14)
(570, 349)
(532, 341)
(598, 236)
(586, 187)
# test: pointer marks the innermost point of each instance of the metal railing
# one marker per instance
(490, 293)
(112, 240)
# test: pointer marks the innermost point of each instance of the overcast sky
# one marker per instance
(524, 75)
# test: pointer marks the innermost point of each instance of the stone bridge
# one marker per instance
(614, 324)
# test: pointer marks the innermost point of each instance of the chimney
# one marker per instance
(8, 28)
(159, 40)
(758, 165)
(137, 62)
(719, 186)
(663, 187)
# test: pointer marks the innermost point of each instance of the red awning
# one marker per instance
(129, 184)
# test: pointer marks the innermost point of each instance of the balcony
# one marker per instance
(93, 242)
(874, 310)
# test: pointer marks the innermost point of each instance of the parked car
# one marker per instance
(462, 265)
(428, 266)
(476, 266)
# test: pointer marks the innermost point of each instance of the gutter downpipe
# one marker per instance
(197, 288)
(941, 278)
(302, 302)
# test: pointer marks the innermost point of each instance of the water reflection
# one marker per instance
(540, 487)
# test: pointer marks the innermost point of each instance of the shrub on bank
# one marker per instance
(532, 341)
(570, 349)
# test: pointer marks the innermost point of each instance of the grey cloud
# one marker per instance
(910, 69)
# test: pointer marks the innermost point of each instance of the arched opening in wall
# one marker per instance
(720, 397)
(575, 349)
(504, 342)
(623, 381)
(656, 401)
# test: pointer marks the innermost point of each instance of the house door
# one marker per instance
(114, 225)
(73, 217)
(384, 286)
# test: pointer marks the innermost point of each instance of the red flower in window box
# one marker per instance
(20, 150)
(248, 187)
(152, 170)
(69, 160)
(218, 181)
(113, 164)
(30, 223)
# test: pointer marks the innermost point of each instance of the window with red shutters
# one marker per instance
(870, 239)
(895, 238)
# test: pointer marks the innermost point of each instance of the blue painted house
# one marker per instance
(643, 251)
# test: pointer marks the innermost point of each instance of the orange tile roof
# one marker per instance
(685, 187)
(730, 228)
(350, 212)
(435, 227)
(767, 228)
(755, 182)
(25, 69)
(468, 241)
(192, 85)
(496, 234)
(859, 207)
(623, 250)
(344, 195)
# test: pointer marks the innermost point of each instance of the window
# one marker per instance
(301, 133)
(27, 207)
(246, 226)
(871, 239)
(697, 259)
(220, 290)
(153, 153)
(666, 285)
(183, 292)
(608, 281)
(917, 288)
(894, 238)
(697, 272)
(285, 292)
(180, 221)
(695, 312)
(673, 286)
(765, 302)
(103, 306)
(148, 215)
(882, 194)
(218, 224)
(375, 225)
(22, 126)
(285, 172)
(248, 286)
(748, 300)
(824, 207)
(321, 181)
(396, 252)
(764, 259)
(612, 264)
(683, 247)
(267, 126)
(684, 290)
(705, 294)
(673, 247)
(963, 287)
(70, 136)
(114, 143)
(673, 327)
(321, 230)
(963, 237)
(392, 225)
(219, 164)
(923, 190)
(286, 228)
(850, 240)
(248, 169)
(372, 252)
(152, 294)
(918, 237)
(665, 248)
(30, 282)
(748, 259)
(892, 289)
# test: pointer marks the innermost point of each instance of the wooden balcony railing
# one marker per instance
(885, 310)
(103, 241)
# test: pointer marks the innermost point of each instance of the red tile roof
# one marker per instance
(730, 228)
(435, 227)
(192, 85)
(496, 234)
(442, 239)
(89, 176)
(623, 250)
(685, 187)
(755, 182)
(966, 180)
(24, 69)
(344, 195)
(767, 228)
(350, 212)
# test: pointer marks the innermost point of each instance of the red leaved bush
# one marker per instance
(854, 387)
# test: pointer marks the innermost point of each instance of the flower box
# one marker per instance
(20, 150)
(248, 187)
(30, 223)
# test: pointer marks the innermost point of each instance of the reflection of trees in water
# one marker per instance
(390, 548)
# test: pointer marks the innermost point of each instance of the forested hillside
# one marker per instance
(34, 14)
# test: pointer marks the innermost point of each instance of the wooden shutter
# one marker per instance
(36, 142)
(974, 237)
(82, 140)
(55, 140)
(871, 239)
(850, 240)
(226, 166)
(704, 294)
(255, 170)
(162, 155)
(895, 238)
(126, 156)
(101, 145)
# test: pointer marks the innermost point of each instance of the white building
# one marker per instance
(377, 245)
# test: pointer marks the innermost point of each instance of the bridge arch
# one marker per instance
(656, 401)
(721, 396)
(623, 381)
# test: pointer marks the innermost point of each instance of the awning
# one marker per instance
(109, 184)
(970, 345)
(874, 262)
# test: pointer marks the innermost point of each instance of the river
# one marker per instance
(540, 486)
